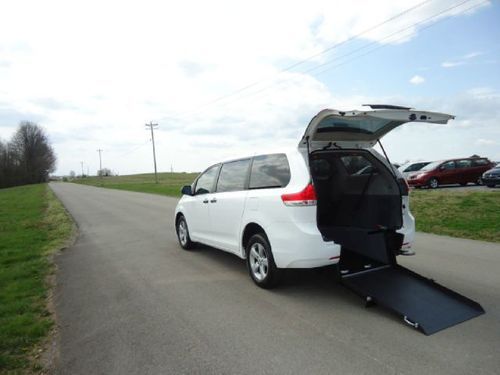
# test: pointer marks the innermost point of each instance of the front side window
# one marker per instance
(269, 171)
(448, 165)
(233, 176)
(205, 183)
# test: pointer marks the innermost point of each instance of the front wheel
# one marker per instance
(183, 234)
(433, 183)
(260, 262)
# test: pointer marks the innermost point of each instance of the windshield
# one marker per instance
(415, 166)
(431, 166)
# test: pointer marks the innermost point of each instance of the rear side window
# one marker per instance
(233, 176)
(269, 171)
(480, 162)
(205, 183)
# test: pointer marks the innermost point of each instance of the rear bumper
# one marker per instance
(301, 246)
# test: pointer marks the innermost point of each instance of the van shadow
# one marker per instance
(300, 285)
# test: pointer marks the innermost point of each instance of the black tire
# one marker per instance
(463, 184)
(490, 185)
(433, 183)
(182, 231)
(260, 262)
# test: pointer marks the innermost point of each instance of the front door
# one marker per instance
(197, 209)
(227, 205)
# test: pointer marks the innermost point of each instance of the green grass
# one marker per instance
(33, 224)
(474, 215)
(168, 183)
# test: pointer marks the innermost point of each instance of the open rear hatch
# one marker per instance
(360, 207)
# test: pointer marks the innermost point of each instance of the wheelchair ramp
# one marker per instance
(368, 266)
(421, 302)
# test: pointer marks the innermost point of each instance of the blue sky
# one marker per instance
(93, 73)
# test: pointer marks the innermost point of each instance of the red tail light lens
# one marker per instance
(306, 197)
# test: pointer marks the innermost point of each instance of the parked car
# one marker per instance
(492, 176)
(294, 209)
(453, 171)
(409, 168)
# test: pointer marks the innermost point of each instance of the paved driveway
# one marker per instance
(129, 301)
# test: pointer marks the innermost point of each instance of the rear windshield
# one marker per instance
(361, 124)
(269, 171)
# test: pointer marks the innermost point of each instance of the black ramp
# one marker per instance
(430, 305)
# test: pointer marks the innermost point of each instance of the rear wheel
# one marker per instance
(491, 185)
(260, 262)
(433, 183)
(183, 233)
(463, 183)
(479, 181)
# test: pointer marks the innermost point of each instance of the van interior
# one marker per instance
(357, 196)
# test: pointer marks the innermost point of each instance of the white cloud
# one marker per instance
(417, 80)
(461, 60)
(94, 72)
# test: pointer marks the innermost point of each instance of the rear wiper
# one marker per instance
(330, 144)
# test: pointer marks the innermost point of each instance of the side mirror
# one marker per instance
(186, 190)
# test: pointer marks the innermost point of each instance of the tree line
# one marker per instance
(27, 158)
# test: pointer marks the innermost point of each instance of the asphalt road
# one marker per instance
(130, 301)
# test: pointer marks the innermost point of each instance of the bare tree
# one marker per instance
(33, 154)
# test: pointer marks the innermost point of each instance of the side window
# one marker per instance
(480, 162)
(269, 171)
(448, 165)
(465, 163)
(205, 183)
(233, 176)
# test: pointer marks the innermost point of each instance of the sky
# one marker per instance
(230, 78)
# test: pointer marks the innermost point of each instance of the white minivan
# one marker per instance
(296, 209)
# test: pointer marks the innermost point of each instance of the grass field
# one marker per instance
(168, 183)
(474, 215)
(33, 224)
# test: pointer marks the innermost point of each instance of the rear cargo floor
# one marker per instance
(431, 306)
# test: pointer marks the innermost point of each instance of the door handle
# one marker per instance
(213, 200)
(205, 201)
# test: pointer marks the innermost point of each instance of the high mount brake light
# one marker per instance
(306, 197)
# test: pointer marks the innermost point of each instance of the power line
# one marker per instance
(372, 44)
(151, 127)
(435, 15)
(309, 58)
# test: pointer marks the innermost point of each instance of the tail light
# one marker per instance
(403, 184)
(306, 197)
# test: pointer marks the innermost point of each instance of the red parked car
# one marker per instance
(454, 171)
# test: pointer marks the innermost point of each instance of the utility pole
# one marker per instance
(100, 160)
(152, 126)
(82, 167)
